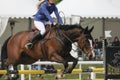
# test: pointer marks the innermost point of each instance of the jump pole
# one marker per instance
(22, 75)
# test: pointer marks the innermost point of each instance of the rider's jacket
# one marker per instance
(44, 12)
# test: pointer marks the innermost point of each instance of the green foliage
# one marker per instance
(57, 1)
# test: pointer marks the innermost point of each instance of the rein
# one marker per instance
(75, 50)
(68, 40)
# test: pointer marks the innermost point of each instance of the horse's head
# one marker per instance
(75, 33)
(85, 42)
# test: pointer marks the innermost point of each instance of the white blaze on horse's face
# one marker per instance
(91, 45)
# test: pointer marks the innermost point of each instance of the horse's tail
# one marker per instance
(4, 54)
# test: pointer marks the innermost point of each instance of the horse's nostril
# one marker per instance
(90, 57)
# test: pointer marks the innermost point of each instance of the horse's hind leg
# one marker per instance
(15, 75)
(6, 65)
(9, 67)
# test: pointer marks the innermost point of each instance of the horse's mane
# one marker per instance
(67, 27)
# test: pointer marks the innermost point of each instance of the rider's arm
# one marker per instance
(57, 15)
(45, 11)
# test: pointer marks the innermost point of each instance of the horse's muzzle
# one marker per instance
(90, 57)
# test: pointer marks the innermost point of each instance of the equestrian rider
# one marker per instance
(42, 17)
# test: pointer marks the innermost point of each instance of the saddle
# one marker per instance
(47, 27)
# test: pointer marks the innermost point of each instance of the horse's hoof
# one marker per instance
(13, 79)
(56, 78)
(69, 71)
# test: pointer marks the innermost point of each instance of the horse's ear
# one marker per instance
(86, 29)
(91, 29)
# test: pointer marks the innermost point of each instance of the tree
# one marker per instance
(57, 1)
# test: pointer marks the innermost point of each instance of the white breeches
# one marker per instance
(40, 26)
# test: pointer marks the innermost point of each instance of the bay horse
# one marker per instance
(55, 46)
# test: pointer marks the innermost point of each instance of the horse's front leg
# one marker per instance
(65, 66)
(70, 69)
(59, 59)
(74, 60)
(64, 71)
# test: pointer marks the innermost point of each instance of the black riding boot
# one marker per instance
(36, 37)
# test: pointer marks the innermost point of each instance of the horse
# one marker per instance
(55, 46)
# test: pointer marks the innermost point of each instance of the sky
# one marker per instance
(85, 8)
(94, 8)
(17, 7)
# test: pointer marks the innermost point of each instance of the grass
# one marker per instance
(67, 76)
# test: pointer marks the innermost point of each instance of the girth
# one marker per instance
(43, 49)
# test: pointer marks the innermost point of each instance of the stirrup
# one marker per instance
(29, 45)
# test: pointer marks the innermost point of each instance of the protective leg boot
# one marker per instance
(35, 38)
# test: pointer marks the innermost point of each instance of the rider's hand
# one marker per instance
(54, 23)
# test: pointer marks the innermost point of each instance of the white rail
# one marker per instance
(79, 62)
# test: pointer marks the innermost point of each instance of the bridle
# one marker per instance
(65, 36)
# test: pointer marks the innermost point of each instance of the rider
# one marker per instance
(42, 17)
